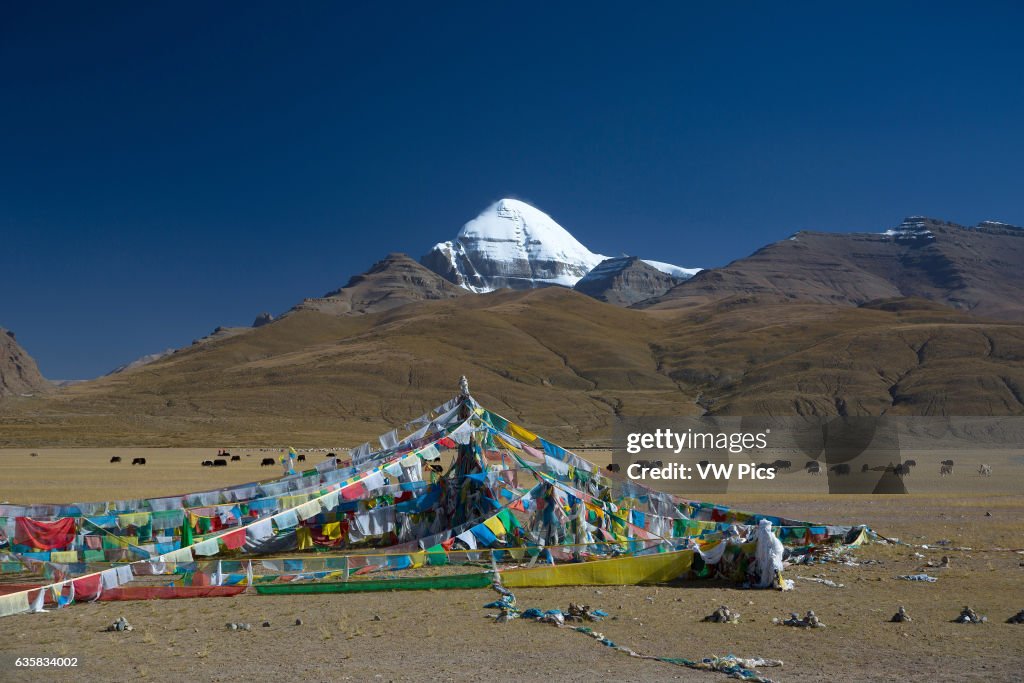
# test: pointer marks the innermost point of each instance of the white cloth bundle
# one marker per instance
(768, 556)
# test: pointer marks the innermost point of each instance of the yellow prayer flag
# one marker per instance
(495, 525)
(64, 557)
(520, 433)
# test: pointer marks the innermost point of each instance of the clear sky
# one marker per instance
(169, 167)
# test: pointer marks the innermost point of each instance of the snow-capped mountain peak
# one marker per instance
(515, 245)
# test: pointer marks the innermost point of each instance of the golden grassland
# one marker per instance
(563, 363)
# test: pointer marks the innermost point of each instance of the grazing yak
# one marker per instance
(902, 470)
(840, 470)
(947, 462)
(302, 457)
(613, 467)
(236, 458)
(945, 470)
(985, 470)
(911, 463)
(115, 458)
(220, 462)
(138, 461)
(782, 464)
(649, 463)
(267, 462)
(207, 463)
(813, 468)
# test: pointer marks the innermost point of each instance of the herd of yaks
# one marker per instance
(224, 457)
(811, 466)
(843, 469)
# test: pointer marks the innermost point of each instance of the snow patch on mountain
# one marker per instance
(675, 271)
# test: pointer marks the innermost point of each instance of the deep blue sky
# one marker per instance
(169, 167)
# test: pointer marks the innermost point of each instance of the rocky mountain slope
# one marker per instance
(394, 281)
(19, 374)
(978, 269)
(625, 281)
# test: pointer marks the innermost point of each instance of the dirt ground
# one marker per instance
(446, 635)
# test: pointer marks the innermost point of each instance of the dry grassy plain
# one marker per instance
(553, 359)
(444, 635)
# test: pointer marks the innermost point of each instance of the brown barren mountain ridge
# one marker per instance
(553, 358)
(979, 269)
(394, 281)
(18, 372)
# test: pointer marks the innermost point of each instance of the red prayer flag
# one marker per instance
(234, 539)
(354, 491)
(44, 535)
(87, 587)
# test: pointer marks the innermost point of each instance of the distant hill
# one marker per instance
(977, 269)
(625, 281)
(19, 374)
(553, 357)
(395, 281)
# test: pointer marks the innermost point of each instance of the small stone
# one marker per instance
(298, 622)
(988, 514)
(231, 626)
(376, 617)
(969, 616)
(266, 624)
(901, 616)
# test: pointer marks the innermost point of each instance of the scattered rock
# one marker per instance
(988, 514)
(1017, 618)
(901, 615)
(376, 617)
(266, 624)
(809, 621)
(583, 613)
(232, 626)
(969, 616)
(723, 615)
(121, 624)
